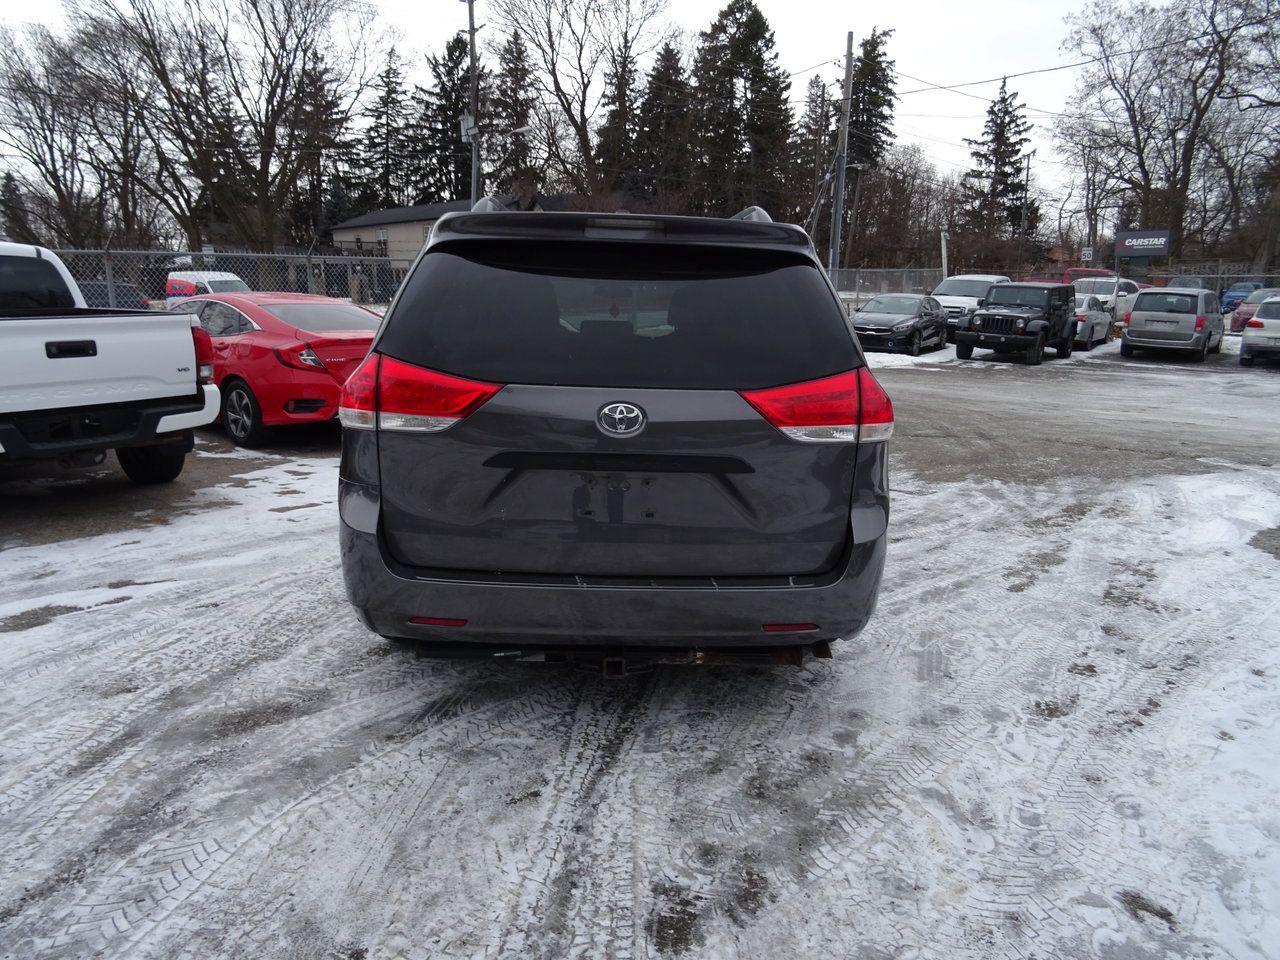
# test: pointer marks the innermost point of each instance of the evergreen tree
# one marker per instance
(616, 140)
(383, 170)
(744, 118)
(664, 167)
(13, 212)
(871, 101)
(813, 149)
(441, 160)
(511, 107)
(994, 187)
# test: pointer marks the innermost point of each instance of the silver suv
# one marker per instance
(1174, 318)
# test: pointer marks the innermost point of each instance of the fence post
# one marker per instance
(109, 275)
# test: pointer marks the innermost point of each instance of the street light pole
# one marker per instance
(475, 104)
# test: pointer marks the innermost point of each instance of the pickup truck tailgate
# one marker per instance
(88, 357)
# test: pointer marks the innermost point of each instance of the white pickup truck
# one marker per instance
(76, 381)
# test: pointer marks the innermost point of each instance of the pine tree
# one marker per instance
(995, 188)
(871, 101)
(511, 107)
(13, 212)
(616, 140)
(813, 150)
(383, 170)
(663, 164)
(744, 118)
(440, 159)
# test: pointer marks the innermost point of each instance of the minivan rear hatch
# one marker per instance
(614, 439)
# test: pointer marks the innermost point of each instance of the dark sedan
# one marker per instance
(901, 323)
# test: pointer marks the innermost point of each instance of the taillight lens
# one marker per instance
(844, 408)
(1257, 324)
(393, 395)
(204, 352)
(1126, 318)
(1200, 322)
(300, 356)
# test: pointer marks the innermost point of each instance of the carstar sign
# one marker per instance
(1143, 243)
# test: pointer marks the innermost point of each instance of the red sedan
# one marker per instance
(281, 358)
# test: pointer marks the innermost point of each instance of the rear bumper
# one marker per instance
(526, 611)
(1258, 347)
(297, 396)
(62, 433)
(1153, 343)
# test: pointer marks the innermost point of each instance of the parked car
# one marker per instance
(192, 283)
(127, 296)
(1238, 292)
(1114, 297)
(538, 454)
(901, 322)
(1093, 324)
(1261, 338)
(1174, 318)
(1072, 274)
(280, 358)
(1249, 305)
(963, 294)
(79, 381)
(1021, 318)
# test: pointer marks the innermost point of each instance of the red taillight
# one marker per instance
(204, 352)
(1081, 316)
(1200, 322)
(788, 627)
(842, 408)
(1258, 324)
(1126, 318)
(300, 356)
(394, 395)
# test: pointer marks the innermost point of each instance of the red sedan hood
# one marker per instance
(340, 350)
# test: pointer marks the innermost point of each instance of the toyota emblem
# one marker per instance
(620, 419)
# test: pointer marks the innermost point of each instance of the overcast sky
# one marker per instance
(938, 41)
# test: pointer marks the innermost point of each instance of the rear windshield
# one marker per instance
(1165, 303)
(32, 282)
(1011, 296)
(322, 317)
(620, 315)
(1259, 295)
(893, 304)
(1269, 310)
(955, 287)
(1095, 286)
(227, 286)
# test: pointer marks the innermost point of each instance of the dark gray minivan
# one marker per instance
(614, 431)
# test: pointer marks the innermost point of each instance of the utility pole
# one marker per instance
(842, 157)
(853, 213)
(944, 254)
(475, 105)
(1026, 195)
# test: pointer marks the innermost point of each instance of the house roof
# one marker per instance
(422, 211)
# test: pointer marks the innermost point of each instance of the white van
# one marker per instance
(191, 283)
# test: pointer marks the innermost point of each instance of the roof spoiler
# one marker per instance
(753, 214)
(489, 204)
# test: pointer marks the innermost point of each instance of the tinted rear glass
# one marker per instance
(620, 315)
(1269, 310)
(32, 282)
(322, 317)
(1165, 303)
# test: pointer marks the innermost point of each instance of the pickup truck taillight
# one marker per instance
(204, 352)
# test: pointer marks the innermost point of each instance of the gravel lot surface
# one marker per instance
(1057, 739)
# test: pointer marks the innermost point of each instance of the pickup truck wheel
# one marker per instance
(146, 465)
(1035, 352)
(241, 415)
(964, 351)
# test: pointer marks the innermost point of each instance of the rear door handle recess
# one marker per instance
(59, 349)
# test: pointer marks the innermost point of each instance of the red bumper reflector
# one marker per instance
(788, 627)
(438, 621)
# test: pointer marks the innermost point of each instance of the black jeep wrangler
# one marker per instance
(1021, 318)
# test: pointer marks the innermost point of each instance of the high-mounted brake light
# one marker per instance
(204, 352)
(844, 408)
(393, 395)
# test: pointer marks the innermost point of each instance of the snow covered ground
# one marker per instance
(1057, 739)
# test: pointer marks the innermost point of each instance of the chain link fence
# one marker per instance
(135, 279)
(856, 287)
